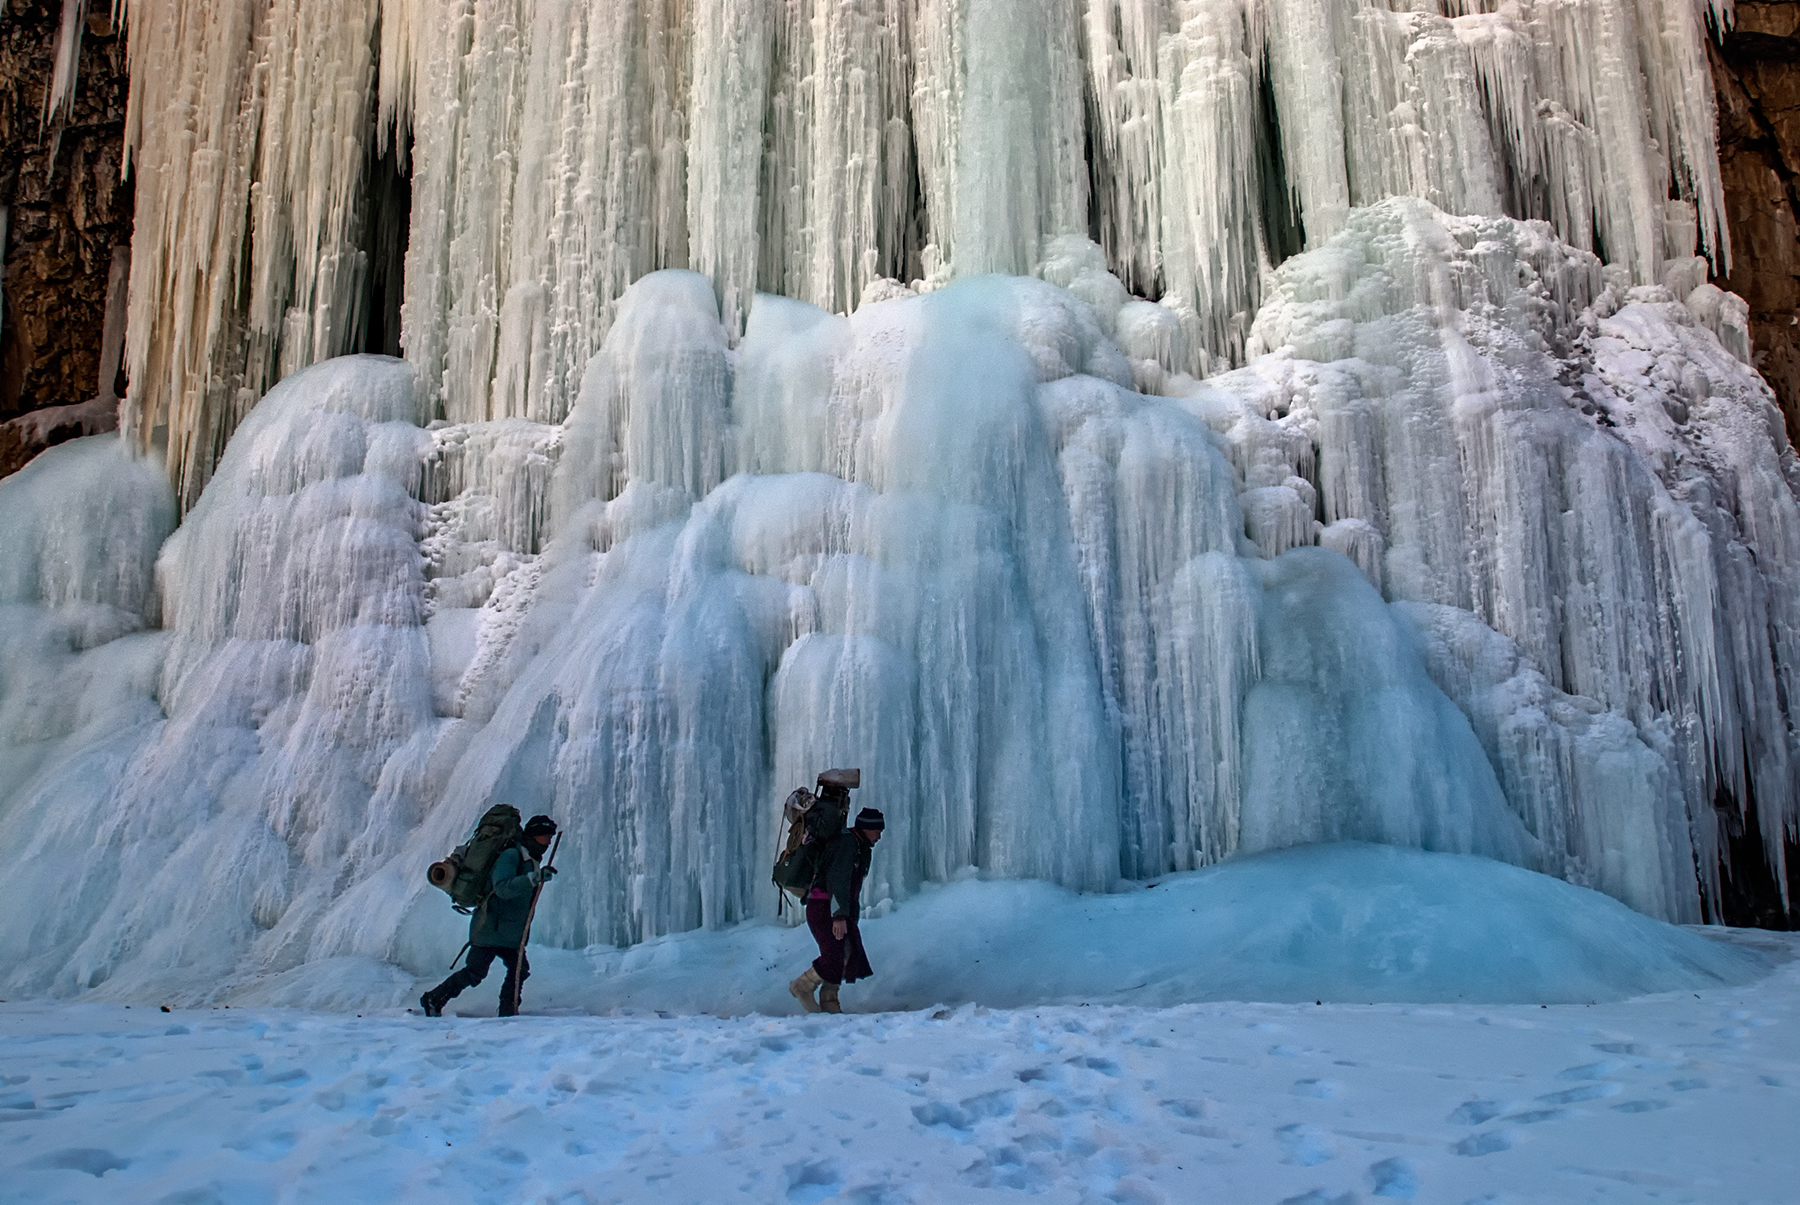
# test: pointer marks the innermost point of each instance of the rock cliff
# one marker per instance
(66, 211)
(1756, 71)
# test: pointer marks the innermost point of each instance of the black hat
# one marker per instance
(539, 826)
(870, 819)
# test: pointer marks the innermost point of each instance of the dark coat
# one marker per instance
(841, 873)
(500, 919)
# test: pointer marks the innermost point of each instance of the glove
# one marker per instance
(542, 875)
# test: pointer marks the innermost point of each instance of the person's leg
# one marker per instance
(518, 970)
(830, 962)
(818, 920)
(472, 972)
(853, 964)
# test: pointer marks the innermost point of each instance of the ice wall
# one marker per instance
(1070, 631)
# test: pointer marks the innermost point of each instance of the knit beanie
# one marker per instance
(870, 819)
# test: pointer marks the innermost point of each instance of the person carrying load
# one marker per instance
(825, 863)
(504, 898)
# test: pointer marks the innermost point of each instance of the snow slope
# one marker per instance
(1346, 923)
(1689, 1096)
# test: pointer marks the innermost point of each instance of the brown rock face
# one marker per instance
(67, 209)
(1757, 75)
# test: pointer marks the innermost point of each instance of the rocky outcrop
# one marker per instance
(1756, 71)
(66, 213)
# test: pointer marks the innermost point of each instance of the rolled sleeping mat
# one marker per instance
(441, 874)
(799, 802)
(849, 779)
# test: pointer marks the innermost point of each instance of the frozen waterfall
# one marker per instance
(1135, 432)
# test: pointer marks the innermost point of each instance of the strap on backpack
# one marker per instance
(476, 912)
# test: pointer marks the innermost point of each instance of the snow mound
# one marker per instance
(1346, 923)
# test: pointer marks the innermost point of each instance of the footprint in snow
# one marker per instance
(811, 1182)
(1304, 1145)
(1474, 1112)
(1577, 1095)
(90, 1159)
(265, 1148)
(1534, 1116)
(963, 1118)
(1396, 1178)
(1487, 1143)
(1318, 1089)
(1591, 1070)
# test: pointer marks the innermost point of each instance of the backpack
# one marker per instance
(813, 822)
(464, 873)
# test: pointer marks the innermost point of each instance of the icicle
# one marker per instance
(246, 124)
(112, 329)
(727, 98)
(59, 97)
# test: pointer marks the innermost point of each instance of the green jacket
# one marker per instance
(500, 919)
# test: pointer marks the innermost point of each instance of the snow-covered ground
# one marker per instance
(1689, 1096)
(1081, 1048)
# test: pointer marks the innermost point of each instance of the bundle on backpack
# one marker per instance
(464, 873)
(813, 822)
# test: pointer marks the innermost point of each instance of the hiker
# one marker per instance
(497, 928)
(832, 908)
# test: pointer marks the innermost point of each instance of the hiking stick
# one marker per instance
(519, 957)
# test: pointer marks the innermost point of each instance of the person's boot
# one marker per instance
(828, 1001)
(803, 989)
(434, 1000)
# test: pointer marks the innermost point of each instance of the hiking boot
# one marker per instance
(803, 989)
(432, 1003)
(828, 1001)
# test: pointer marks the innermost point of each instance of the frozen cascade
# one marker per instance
(1488, 543)
(943, 538)
(835, 153)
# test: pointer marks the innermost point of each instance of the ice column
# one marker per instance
(246, 128)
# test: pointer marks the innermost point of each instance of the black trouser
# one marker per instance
(518, 969)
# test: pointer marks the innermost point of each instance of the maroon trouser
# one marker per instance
(840, 960)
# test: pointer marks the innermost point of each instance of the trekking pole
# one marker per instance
(519, 959)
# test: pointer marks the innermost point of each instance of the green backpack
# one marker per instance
(464, 874)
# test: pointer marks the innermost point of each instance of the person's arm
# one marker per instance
(840, 881)
(510, 878)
